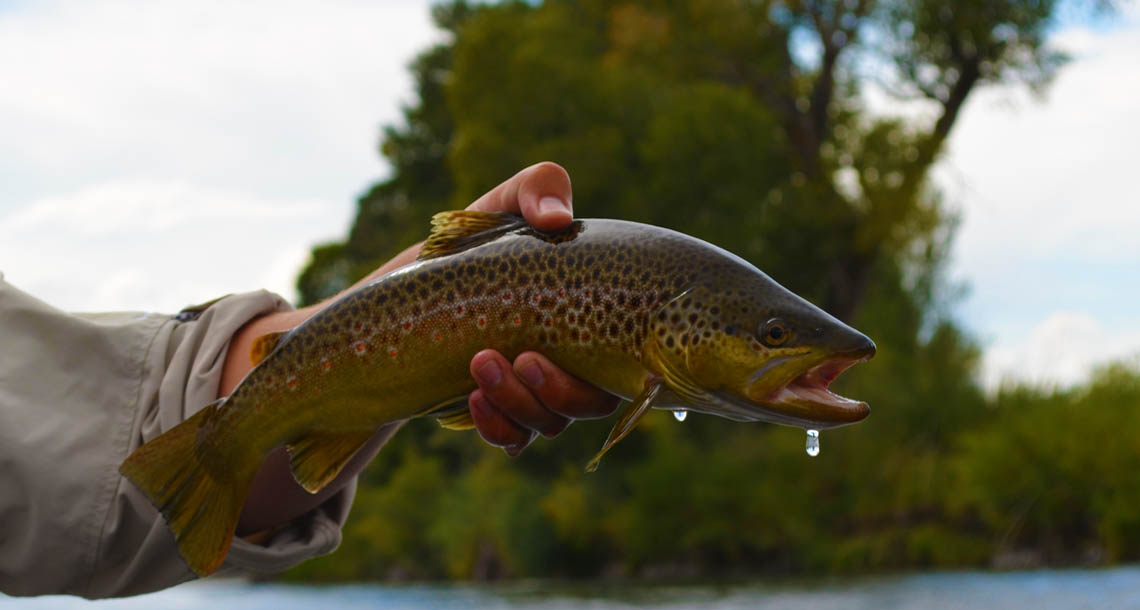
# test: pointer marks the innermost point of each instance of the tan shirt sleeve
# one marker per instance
(78, 393)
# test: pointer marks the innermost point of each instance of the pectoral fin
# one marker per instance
(458, 418)
(629, 418)
(317, 459)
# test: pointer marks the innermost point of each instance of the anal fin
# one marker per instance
(317, 459)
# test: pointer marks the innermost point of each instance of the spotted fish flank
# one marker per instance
(654, 316)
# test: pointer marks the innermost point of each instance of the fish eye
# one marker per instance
(775, 332)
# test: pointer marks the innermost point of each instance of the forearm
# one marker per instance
(275, 498)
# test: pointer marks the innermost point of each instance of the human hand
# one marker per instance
(516, 402)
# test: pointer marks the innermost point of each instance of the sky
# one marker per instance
(158, 154)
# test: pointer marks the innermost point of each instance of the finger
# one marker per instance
(495, 428)
(541, 193)
(560, 392)
(510, 397)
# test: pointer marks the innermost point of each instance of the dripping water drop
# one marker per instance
(812, 447)
(680, 414)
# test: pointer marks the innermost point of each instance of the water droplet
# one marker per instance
(812, 443)
(680, 414)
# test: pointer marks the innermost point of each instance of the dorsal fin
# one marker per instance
(264, 345)
(459, 230)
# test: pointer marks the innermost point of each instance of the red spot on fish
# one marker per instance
(507, 297)
(482, 321)
(460, 310)
(326, 364)
(407, 326)
(258, 406)
(392, 352)
(517, 320)
(360, 347)
(316, 393)
(438, 336)
(292, 382)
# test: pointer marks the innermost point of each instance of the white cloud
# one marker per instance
(1061, 350)
(160, 153)
(287, 95)
(160, 246)
(1056, 175)
(1051, 212)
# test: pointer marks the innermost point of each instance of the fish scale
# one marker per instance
(648, 314)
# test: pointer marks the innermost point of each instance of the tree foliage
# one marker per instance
(743, 123)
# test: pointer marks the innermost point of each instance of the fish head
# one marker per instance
(751, 350)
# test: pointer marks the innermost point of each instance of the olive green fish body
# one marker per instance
(648, 314)
(400, 345)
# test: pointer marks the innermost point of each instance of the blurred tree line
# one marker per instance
(744, 123)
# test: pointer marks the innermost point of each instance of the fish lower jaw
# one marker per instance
(793, 393)
(808, 399)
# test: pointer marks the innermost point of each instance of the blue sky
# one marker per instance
(156, 154)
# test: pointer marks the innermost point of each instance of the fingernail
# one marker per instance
(532, 375)
(514, 450)
(490, 373)
(548, 205)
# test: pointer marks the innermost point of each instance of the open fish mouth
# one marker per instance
(806, 401)
(813, 386)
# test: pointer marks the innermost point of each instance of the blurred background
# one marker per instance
(956, 179)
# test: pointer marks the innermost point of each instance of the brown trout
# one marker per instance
(651, 315)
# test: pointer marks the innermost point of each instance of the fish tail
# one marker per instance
(200, 509)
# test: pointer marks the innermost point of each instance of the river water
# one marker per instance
(1038, 590)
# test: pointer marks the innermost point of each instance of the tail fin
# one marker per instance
(201, 507)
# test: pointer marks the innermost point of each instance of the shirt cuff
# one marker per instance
(202, 344)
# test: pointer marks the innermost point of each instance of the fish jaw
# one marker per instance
(807, 400)
(802, 397)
